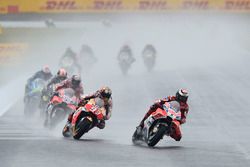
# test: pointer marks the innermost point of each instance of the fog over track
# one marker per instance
(207, 55)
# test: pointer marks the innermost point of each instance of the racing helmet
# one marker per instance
(76, 80)
(62, 73)
(46, 69)
(105, 92)
(182, 95)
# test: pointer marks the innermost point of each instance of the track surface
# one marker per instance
(206, 55)
(216, 133)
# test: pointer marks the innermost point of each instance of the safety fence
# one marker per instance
(113, 6)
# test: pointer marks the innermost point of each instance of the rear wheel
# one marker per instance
(155, 135)
(82, 127)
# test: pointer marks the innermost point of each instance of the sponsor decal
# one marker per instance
(13, 9)
(2, 9)
(196, 4)
(64, 6)
(59, 5)
(107, 5)
(152, 5)
(237, 5)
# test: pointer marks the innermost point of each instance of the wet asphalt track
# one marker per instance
(217, 130)
(216, 133)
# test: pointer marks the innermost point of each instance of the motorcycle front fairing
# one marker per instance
(156, 119)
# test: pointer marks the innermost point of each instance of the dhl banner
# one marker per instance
(93, 6)
(10, 52)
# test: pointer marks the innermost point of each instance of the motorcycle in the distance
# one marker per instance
(158, 124)
(32, 98)
(87, 58)
(68, 63)
(149, 60)
(125, 61)
(86, 118)
(149, 56)
(62, 103)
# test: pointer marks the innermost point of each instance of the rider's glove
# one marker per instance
(162, 101)
(82, 102)
(154, 106)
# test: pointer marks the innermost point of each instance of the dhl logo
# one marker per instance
(104, 5)
(237, 5)
(60, 5)
(198, 4)
(152, 5)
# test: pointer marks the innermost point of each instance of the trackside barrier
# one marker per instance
(107, 6)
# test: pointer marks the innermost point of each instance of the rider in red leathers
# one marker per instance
(46, 92)
(58, 78)
(103, 93)
(181, 97)
(74, 82)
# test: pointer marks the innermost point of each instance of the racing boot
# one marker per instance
(101, 124)
(66, 130)
(137, 134)
(139, 130)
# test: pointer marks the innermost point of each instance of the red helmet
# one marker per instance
(46, 69)
(182, 95)
(62, 73)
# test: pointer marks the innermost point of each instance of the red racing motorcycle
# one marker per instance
(158, 124)
(61, 104)
(86, 118)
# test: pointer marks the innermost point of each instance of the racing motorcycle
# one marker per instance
(158, 124)
(86, 118)
(32, 98)
(149, 60)
(125, 61)
(61, 104)
(47, 93)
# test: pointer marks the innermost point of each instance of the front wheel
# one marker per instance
(156, 134)
(82, 127)
(56, 116)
